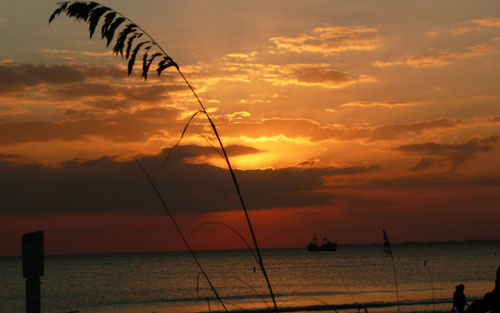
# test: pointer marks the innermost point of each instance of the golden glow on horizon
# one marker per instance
(367, 107)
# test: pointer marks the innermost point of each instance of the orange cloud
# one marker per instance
(330, 40)
(302, 74)
(463, 30)
(437, 57)
(86, 89)
(237, 115)
(124, 127)
(321, 75)
(386, 64)
(17, 77)
(7, 61)
(242, 56)
(386, 103)
(6, 109)
(488, 21)
(465, 27)
(314, 132)
(81, 53)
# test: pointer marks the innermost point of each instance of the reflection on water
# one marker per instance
(166, 282)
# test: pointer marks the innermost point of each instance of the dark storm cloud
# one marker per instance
(17, 77)
(128, 97)
(125, 127)
(10, 156)
(138, 93)
(108, 96)
(425, 163)
(293, 186)
(105, 185)
(77, 82)
(317, 75)
(84, 90)
(191, 151)
(454, 154)
(393, 131)
(428, 181)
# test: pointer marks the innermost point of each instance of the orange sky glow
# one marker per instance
(340, 117)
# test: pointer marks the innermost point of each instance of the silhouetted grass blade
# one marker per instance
(432, 285)
(107, 22)
(186, 243)
(110, 32)
(120, 41)
(387, 244)
(82, 11)
(388, 252)
(237, 233)
(134, 55)
(58, 11)
(176, 144)
(166, 63)
(144, 62)
(147, 64)
(95, 16)
(129, 45)
(211, 145)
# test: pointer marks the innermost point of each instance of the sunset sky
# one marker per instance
(341, 117)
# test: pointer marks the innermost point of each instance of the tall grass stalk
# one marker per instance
(324, 302)
(347, 288)
(360, 305)
(181, 234)
(175, 145)
(231, 276)
(91, 13)
(249, 287)
(228, 227)
(208, 299)
(388, 252)
(432, 285)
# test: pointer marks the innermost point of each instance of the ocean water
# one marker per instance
(302, 281)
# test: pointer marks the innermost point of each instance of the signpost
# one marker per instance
(33, 266)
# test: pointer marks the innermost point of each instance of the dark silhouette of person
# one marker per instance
(459, 301)
(490, 301)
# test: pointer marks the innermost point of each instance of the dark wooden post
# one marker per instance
(33, 266)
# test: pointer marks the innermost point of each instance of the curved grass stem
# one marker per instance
(86, 11)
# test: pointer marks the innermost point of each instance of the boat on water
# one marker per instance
(326, 245)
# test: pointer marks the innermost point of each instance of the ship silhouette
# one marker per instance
(326, 245)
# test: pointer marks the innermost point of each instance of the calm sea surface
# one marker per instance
(302, 281)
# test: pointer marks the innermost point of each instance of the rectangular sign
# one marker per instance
(33, 255)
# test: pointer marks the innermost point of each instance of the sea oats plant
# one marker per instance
(234, 277)
(131, 41)
(231, 229)
(346, 286)
(426, 265)
(388, 252)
